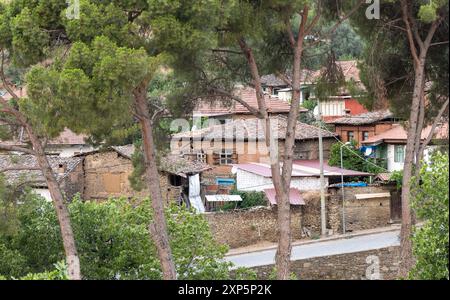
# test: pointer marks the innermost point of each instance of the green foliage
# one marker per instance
(60, 273)
(249, 199)
(112, 241)
(397, 177)
(387, 70)
(430, 201)
(352, 159)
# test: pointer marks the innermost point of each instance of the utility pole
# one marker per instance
(323, 216)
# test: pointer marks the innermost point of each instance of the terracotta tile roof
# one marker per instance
(274, 105)
(20, 161)
(364, 118)
(68, 137)
(398, 133)
(126, 151)
(182, 166)
(173, 164)
(306, 77)
(383, 176)
(253, 129)
(349, 69)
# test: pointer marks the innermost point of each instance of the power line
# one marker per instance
(351, 150)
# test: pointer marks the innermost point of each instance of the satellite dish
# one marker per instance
(368, 151)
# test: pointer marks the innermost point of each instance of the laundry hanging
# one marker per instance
(194, 193)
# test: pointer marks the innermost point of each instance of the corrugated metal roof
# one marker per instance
(295, 198)
(301, 168)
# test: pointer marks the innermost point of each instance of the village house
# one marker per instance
(223, 112)
(100, 175)
(66, 144)
(107, 173)
(243, 141)
(305, 175)
(389, 146)
(337, 106)
(361, 127)
(22, 170)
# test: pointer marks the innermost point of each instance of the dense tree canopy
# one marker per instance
(112, 240)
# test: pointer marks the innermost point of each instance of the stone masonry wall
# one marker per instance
(359, 214)
(241, 228)
(349, 266)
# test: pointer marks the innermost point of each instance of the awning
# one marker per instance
(223, 198)
(295, 198)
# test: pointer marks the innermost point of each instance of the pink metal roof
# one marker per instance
(295, 198)
(301, 168)
(316, 165)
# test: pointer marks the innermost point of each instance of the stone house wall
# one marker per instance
(241, 228)
(73, 183)
(349, 266)
(359, 214)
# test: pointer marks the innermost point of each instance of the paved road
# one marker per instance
(318, 249)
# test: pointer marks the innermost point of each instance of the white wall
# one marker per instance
(247, 181)
(397, 166)
(331, 108)
(391, 164)
(69, 151)
(45, 193)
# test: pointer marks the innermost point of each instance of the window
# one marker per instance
(365, 135)
(226, 157)
(275, 92)
(201, 157)
(350, 136)
(399, 153)
(174, 180)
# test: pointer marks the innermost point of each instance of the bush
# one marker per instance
(352, 159)
(249, 199)
(113, 242)
(430, 201)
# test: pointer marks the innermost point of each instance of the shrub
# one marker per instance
(113, 242)
(249, 199)
(430, 201)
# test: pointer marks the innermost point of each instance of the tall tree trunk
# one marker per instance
(406, 257)
(281, 180)
(158, 228)
(418, 49)
(73, 261)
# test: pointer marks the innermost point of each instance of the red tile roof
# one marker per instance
(274, 105)
(398, 134)
(68, 137)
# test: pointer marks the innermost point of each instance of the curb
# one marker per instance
(325, 239)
